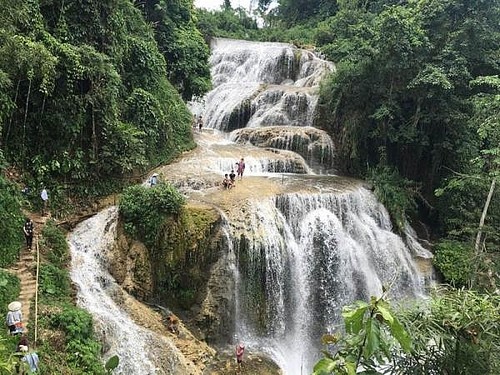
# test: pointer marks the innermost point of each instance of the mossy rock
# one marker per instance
(188, 244)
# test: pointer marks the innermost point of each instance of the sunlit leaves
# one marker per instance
(371, 333)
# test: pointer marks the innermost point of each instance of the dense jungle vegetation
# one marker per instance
(92, 93)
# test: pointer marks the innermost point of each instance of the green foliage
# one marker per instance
(456, 332)
(181, 44)
(82, 349)
(372, 334)
(54, 243)
(69, 73)
(395, 193)
(7, 360)
(144, 209)
(10, 288)
(12, 219)
(229, 23)
(455, 261)
(401, 89)
(54, 282)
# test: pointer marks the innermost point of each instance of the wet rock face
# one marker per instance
(130, 265)
(187, 271)
(187, 246)
(314, 145)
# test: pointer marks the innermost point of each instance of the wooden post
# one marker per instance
(36, 290)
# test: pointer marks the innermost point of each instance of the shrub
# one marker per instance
(144, 209)
(11, 217)
(394, 192)
(54, 242)
(9, 289)
(54, 281)
(454, 259)
(83, 351)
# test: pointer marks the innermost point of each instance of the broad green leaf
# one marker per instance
(385, 312)
(400, 334)
(112, 363)
(353, 318)
(324, 367)
(372, 343)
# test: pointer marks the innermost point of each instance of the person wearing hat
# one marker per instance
(14, 318)
(240, 349)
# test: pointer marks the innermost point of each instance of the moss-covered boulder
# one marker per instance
(187, 246)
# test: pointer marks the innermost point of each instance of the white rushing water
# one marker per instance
(301, 256)
(262, 84)
(306, 256)
(89, 244)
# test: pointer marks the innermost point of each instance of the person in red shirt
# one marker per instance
(240, 349)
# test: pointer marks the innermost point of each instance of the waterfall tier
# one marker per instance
(261, 84)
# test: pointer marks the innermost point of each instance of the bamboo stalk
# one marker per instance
(36, 291)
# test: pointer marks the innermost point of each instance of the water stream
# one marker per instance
(98, 293)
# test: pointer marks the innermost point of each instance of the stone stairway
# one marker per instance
(25, 270)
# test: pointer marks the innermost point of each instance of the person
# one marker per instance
(232, 177)
(25, 191)
(173, 324)
(240, 349)
(241, 168)
(14, 318)
(226, 183)
(153, 180)
(200, 122)
(30, 358)
(45, 198)
(23, 341)
(28, 230)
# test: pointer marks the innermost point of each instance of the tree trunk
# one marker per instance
(477, 246)
(25, 118)
(483, 216)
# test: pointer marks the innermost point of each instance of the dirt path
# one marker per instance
(25, 270)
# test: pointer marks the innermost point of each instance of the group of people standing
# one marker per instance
(229, 180)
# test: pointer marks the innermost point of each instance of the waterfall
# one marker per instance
(317, 244)
(304, 257)
(141, 352)
(261, 84)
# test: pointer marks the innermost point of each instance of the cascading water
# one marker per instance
(303, 258)
(97, 292)
(261, 84)
(300, 245)
(300, 256)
